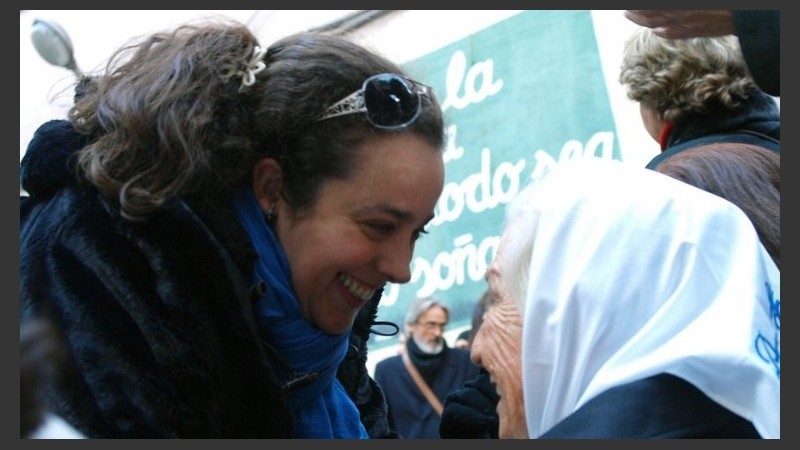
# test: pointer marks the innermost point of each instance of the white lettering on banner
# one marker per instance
(457, 77)
(390, 294)
(479, 191)
(602, 140)
(486, 189)
(451, 151)
(466, 261)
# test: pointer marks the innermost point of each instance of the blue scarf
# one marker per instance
(321, 409)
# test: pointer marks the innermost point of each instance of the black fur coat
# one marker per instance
(157, 315)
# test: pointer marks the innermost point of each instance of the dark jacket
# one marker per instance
(470, 412)
(756, 122)
(660, 407)
(759, 33)
(157, 314)
(410, 414)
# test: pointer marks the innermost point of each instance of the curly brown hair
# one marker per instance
(171, 117)
(746, 175)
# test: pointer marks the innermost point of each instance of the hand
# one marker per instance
(682, 24)
(470, 412)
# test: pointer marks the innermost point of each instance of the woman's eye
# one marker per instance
(418, 233)
(383, 229)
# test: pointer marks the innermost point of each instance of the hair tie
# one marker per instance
(253, 66)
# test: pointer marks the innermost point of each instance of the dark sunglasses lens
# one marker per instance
(390, 101)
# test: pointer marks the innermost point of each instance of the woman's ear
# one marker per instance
(267, 182)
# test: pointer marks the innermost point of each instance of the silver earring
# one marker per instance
(271, 215)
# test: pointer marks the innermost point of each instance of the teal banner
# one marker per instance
(518, 98)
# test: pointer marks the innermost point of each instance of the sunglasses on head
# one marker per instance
(389, 101)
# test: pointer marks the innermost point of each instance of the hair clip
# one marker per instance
(254, 66)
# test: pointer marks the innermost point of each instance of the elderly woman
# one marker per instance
(620, 312)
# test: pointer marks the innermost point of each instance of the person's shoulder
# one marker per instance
(684, 412)
(460, 354)
(61, 217)
(459, 350)
(388, 361)
(49, 161)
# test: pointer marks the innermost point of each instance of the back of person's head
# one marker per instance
(419, 307)
(746, 175)
(677, 77)
(189, 111)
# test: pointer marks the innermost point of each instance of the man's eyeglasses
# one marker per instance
(390, 101)
(433, 325)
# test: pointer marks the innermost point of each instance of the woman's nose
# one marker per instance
(394, 262)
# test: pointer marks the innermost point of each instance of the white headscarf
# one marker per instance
(632, 274)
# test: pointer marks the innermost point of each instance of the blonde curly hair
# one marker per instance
(677, 77)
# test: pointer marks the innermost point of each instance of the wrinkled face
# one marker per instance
(497, 347)
(361, 232)
(429, 329)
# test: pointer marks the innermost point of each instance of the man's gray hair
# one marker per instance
(420, 306)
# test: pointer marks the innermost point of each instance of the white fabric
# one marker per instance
(633, 274)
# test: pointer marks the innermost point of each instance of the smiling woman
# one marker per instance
(218, 248)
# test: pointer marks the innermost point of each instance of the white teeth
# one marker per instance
(354, 288)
